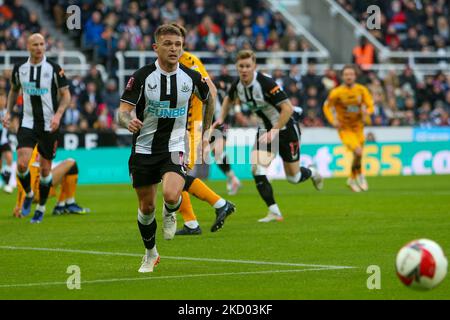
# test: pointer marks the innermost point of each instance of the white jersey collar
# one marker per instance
(44, 58)
(165, 72)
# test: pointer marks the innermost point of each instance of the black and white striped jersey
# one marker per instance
(162, 104)
(263, 96)
(40, 83)
(3, 130)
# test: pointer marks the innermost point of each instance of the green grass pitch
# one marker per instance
(302, 257)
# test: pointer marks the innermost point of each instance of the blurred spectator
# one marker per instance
(275, 58)
(210, 33)
(89, 114)
(91, 96)
(311, 119)
(93, 30)
(364, 54)
(311, 78)
(169, 12)
(95, 77)
(107, 47)
(111, 96)
(72, 116)
(277, 23)
(260, 27)
(20, 13)
(412, 41)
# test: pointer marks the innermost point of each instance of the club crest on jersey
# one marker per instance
(185, 87)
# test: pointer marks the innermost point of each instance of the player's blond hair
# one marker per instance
(181, 28)
(167, 29)
(245, 54)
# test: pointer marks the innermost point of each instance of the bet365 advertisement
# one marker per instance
(110, 165)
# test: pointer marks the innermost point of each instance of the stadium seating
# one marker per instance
(400, 99)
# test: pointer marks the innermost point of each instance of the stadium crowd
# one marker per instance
(213, 26)
(415, 25)
(400, 99)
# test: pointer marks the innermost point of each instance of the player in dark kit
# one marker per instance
(160, 93)
(264, 97)
(41, 81)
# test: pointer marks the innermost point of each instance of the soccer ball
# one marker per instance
(421, 264)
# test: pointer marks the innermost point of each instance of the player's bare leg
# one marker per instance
(23, 173)
(147, 226)
(66, 175)
(296, 174)
(357, 164)
(172, 186)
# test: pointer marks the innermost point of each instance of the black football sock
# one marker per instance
(224, 166)
(148, 233)
(25, 180)
(44, 188)
(265, 189)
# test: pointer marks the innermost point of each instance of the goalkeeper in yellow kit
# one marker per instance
(347, 108)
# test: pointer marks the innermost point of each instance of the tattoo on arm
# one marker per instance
(65, 100)
(124, 118)
(209, 112)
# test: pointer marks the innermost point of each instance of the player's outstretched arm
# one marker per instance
(126, 120)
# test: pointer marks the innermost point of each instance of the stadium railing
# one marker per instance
(73, 62)
(214, 68)
(275, 5)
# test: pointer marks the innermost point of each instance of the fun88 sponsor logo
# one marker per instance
(161, 109)
(30, 89)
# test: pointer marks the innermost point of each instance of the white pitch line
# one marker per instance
(177, 258)
(163, 277)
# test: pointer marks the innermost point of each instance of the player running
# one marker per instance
(160, 93)
(41, 81)
(274, 110)
(65, 174)
(347, 108)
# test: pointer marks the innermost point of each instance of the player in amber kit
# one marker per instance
(347, 109)
(65, 174)
(193, 185)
